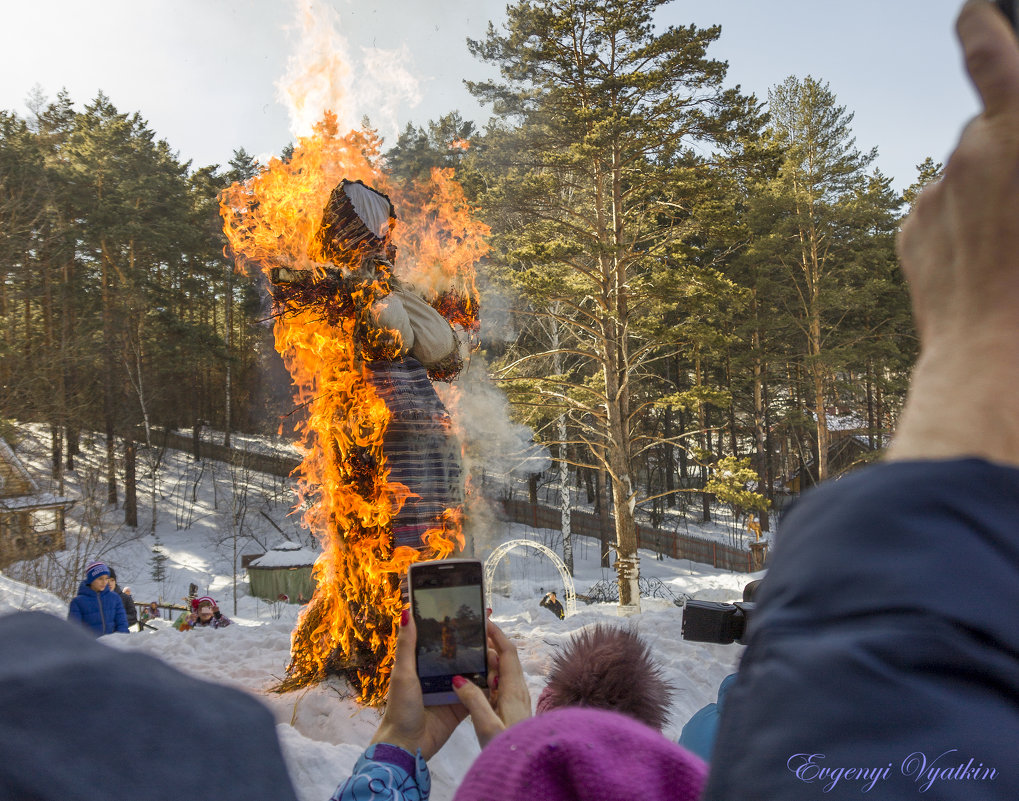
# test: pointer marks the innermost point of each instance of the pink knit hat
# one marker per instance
(578, 754)
(205, 599)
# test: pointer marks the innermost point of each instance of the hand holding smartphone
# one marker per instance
(447, 601)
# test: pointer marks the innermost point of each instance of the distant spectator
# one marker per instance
(608, 668)
(206, 615)
(551, 603)
(150, 612)
(96, 605)
(125, 598)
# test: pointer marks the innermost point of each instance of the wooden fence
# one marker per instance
(584, 524)
(277, 465)
(670, 543)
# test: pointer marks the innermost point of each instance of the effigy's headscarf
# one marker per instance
(355, 217)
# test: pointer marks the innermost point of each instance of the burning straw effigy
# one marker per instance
(363, 334)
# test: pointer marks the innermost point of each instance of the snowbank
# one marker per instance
(321, 730)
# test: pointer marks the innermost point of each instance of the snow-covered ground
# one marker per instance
(321, 730)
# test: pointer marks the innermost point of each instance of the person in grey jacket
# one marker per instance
(55, 679)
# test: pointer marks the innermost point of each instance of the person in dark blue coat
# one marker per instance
(883, 659)
(96, 605)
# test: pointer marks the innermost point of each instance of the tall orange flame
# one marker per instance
(271, 221)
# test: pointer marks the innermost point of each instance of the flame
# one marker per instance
(317, 75)
(271, 221)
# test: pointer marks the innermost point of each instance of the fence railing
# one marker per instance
(277, 465)
(669, 543)
(583, 524)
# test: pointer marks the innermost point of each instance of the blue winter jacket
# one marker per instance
(883, 657)
(698, 734)
(102, 612)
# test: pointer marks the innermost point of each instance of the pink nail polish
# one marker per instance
(404, 616)
(459, 681)
(495, 683)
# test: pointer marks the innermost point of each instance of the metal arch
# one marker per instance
(496, 556)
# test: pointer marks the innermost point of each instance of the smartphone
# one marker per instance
(1008, 8)
(447, 601)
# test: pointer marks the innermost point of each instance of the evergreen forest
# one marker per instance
(692, 293)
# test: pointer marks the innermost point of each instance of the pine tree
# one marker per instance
(116, 305)
(809, 231)
(730, 482)
(443, 145)
(157, 564)
(927, 172)
(596, 110)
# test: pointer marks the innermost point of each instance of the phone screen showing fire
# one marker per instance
(450, 636)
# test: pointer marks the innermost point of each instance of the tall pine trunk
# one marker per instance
(110, 373)
(759, 429)
(229, 315)
(565, 505)
(668, 457)
(602, 508)
(67, 371)
(705, 442)
(130, 488)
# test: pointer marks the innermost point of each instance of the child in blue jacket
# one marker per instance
(96, 605)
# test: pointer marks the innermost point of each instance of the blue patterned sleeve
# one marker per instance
(388, 773)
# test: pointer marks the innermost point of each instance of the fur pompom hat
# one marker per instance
(608, 668)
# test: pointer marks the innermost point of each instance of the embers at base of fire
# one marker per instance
(370, 618)
(362, 668)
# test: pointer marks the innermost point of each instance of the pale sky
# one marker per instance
(205, 73)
